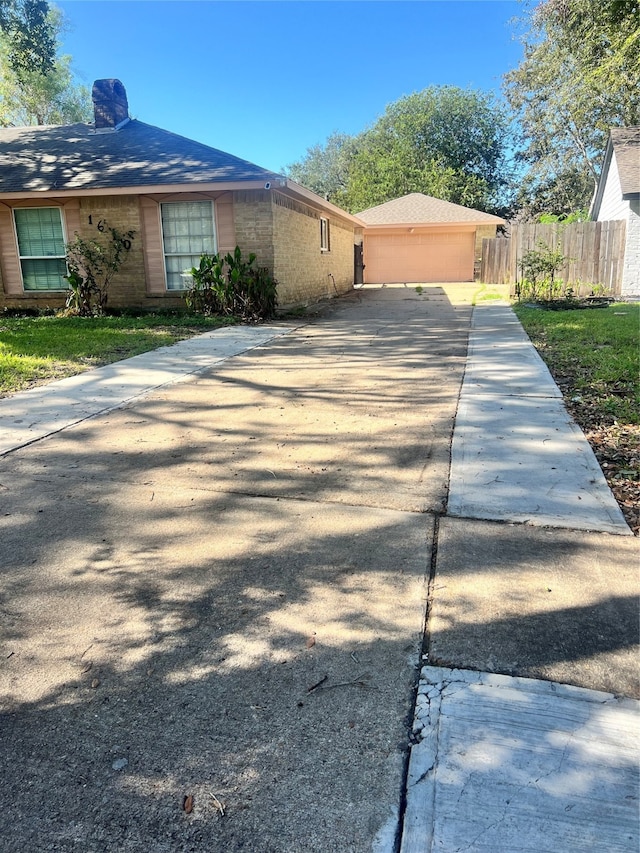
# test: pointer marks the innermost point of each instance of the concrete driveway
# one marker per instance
(213, 599)
(218, 592)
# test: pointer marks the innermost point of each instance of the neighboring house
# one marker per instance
(617, 196)
(181, 198)
(418, 238)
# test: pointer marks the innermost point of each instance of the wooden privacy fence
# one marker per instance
(594, 252)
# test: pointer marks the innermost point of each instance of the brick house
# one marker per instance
(181, 198)
(617, 197)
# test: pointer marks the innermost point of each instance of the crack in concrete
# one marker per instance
(424, 775)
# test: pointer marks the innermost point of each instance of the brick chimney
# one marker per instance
(110, 106)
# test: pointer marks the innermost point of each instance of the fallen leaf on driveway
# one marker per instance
(187, 804)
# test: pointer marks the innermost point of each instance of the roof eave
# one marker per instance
(596, 201)
(138, 189)
(449, 224)
(281, 184)
(309, 196)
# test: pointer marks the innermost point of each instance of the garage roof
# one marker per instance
(416, 208)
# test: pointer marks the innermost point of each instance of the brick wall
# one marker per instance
(127, 288)
(631, 269)
(304, 273)
(11, 292)
(254, 225)
(284, 234)
(3, 298)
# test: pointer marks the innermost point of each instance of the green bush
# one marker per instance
(539, 267)
(91, 265)
(232, 286)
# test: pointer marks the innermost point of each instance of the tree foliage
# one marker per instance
(38, 99)
(579, 77)
(36, 92)
(325, 168)
(29, 37)
(442, 141)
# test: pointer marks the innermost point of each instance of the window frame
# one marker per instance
(165, 254)
(325, 237)
(63, 287)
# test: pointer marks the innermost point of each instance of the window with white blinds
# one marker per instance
(41, 247)
(188, 231)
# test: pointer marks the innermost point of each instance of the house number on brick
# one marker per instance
(100, 227)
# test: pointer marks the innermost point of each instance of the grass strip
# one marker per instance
(35, 350)
(594, 357)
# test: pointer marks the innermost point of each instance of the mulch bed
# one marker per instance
(571, 303)
(616, 446)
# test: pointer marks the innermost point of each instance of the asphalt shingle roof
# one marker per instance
(417, 208)
(626, 144)
(72, 157)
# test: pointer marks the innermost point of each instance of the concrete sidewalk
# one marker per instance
(46, 409)
(517, 454)
(510, 764)
(502, 763)
(217, 588)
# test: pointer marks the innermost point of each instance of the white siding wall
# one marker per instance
(613, 206)
(631, 270)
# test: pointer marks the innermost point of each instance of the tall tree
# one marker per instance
(442, 141)
(579, 77)
(36, 93)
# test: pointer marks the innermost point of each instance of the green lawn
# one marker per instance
(35, 350)
(594, 356)
(592, 352)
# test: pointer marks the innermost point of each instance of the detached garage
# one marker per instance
(418, 238)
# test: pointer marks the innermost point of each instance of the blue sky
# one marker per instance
(265, 80)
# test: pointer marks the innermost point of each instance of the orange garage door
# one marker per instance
(431, 256)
